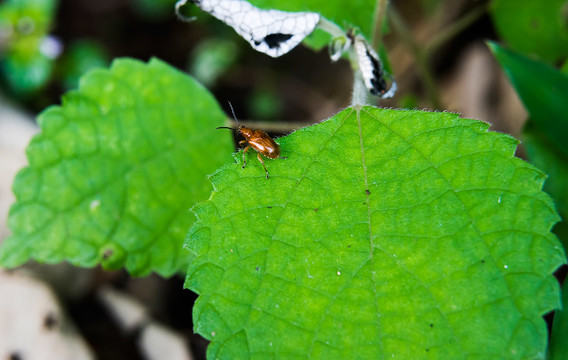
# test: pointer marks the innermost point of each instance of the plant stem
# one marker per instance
(455, 28)
(421, 56)
(330, 27)
(380, 15)
(360, 93)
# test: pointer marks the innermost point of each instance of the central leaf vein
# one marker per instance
(371, 258)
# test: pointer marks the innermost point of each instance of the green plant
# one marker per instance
(384, 233)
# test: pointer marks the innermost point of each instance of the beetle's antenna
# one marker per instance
(233, 111)
(224, 127)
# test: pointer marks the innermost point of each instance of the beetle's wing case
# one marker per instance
(261, 142)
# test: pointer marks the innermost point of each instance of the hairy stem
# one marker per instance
(360, 94)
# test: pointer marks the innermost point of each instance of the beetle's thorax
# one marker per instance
(245, 132)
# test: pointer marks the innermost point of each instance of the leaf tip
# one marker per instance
(492, 45)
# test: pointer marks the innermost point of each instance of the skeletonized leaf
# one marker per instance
(272, 32)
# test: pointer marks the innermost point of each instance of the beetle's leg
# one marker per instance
(242, 142)
(244, 159)
(262, 162)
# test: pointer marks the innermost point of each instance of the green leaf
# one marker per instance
(383, 234)
(558, 348)
(115, 170)
(530, 27)
(543, 90)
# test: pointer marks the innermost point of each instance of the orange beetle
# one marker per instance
(258, 140)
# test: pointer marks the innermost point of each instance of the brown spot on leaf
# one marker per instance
(107, 254)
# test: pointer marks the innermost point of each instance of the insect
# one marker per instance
(258, 140)
(272, 32)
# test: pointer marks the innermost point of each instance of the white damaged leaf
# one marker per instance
(272, 32)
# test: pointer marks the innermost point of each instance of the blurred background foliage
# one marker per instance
(28, 49)
(45, 45)
(436, 48)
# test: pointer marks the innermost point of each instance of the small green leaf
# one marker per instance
(543, 90)
(383, 234)
(115, 170)
(530, 27)
(558, 347)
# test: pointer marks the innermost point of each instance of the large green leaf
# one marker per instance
(533, 26)
(115, 170)
(383, 234)
(543, 90)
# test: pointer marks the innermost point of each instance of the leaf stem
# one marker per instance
(360, 92)
(330, 27)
